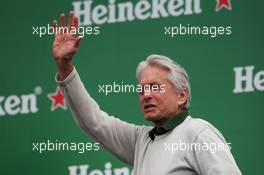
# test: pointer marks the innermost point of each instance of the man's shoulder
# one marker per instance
(196, 126)
(198, 123)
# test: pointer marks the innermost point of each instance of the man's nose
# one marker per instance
(147, 97)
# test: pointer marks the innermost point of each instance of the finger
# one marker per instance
(62, 20)
(55, 26)
(78, 41)
(76, 22)
(70, 19)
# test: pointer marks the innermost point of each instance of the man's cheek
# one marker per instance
(158, 108)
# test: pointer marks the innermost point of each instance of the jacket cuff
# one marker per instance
(68, 79)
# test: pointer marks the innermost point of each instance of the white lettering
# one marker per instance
(98, 14)
(189, 8)
(245, 81)
(2, 112)
(11, 105)
(174, 5)
(141, 8)
(129, 11)
(83, 170)
(29, 102)
(259, 81)
(123, 8)
(158, 8)
(86, 11)
(247, 78)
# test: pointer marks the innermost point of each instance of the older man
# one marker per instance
(178, 144)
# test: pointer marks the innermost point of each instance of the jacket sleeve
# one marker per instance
(119, 137)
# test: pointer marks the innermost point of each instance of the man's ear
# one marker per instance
(182, 97)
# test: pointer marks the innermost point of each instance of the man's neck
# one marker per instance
(160, 122)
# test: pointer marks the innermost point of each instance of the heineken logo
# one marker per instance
(12, 105)
(128, 11)
(90, 12)
(247, 79)
(106, 170)
(20, 104)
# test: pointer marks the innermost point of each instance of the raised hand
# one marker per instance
(66, 43)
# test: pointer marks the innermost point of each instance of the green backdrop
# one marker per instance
(27, 68)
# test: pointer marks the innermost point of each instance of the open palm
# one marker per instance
(66, 42)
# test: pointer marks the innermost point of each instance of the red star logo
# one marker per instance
(57, 99)
(223, 3)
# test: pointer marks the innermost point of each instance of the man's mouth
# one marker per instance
(149, 107)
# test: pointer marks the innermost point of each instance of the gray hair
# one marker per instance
(177, 74)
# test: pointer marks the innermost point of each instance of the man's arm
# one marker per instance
(214, 157)
(117, 136)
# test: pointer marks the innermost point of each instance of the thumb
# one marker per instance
(78, 41)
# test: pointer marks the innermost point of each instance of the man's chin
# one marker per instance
(151, 117)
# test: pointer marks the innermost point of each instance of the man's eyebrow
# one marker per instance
(151, 83)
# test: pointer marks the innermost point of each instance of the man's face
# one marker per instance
(162, 104)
